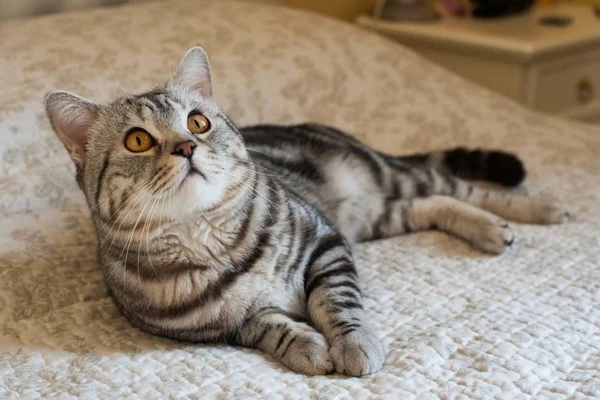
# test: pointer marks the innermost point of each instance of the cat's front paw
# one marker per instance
(308, 354)
(358, 353)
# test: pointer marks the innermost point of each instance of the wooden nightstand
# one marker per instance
(550, 68)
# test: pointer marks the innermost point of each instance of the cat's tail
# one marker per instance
(489, 165)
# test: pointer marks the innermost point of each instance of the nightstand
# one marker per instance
(550, 68)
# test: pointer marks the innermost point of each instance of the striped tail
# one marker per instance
(488, 165)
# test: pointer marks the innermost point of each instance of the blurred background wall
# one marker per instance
(345, 9)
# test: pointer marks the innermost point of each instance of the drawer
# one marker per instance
(567, 84)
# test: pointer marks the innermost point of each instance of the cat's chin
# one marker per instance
(197, 194)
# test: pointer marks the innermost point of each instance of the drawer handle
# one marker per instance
(585, 90)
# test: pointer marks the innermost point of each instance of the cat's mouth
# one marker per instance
(195, 171)
(191, 172)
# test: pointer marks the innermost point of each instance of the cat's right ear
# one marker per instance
(71, 117)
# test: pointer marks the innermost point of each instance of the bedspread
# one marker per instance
(457, 323)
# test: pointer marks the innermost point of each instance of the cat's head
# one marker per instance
(170, 149)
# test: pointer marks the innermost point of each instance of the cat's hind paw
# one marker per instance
(495, 237)
(550, 214)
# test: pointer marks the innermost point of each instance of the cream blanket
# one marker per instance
(457, 323)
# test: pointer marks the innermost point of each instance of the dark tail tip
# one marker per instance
(505, 168)
(494, 166)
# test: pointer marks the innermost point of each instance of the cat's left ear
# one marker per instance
(194, 73)
(71, 117)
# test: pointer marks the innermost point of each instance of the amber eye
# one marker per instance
(198, 123)
(138, 141)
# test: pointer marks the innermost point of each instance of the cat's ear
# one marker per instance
(71, 117)
(194, 73)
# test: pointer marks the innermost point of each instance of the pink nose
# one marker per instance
(185, 149)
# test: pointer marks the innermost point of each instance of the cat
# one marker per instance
(212, 233)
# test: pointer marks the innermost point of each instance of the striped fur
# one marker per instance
(248, 241)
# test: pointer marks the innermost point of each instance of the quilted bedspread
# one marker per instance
(457, 323)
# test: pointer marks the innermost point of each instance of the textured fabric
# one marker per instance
(455, 321)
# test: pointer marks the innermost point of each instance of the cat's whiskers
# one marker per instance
(261, 166)
(130, 207)
(160, 185)
(129, 241)
(259, 152)
(269, 201)
(112, 70)
(258, 193)
(267, 187)
(132, 203)
(249, 161)
(257, 167)
(121, 219)
(96, 207)
(255, 170)
(162, 210)
(146, 223)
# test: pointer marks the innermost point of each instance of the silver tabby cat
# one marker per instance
(212, 233)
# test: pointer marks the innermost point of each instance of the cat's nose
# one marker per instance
(185, 149)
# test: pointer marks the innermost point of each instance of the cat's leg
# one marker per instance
(482, 229)
(293, 342)
(507, 204)
(510, 205)
(334, 302)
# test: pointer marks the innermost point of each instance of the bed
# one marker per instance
(457, 323)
